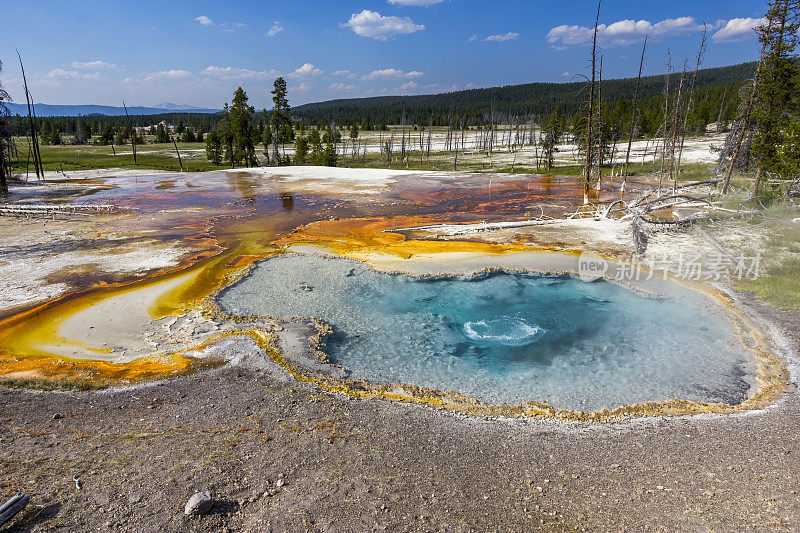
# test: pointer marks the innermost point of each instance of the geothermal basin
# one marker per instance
(507, 337)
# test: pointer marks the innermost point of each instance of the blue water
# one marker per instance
(507, 337)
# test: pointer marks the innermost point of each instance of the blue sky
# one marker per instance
(198, 52)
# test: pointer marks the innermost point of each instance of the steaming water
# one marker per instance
(507, 337)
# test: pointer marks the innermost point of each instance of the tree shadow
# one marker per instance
(33, 516)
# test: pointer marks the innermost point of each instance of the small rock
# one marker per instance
(200, 503)
(279, 483)
(57, 416)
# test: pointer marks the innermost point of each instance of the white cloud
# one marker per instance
(443, 88)
(204, 20)
(738, 30)
(565, 74)
(391, 73)
(92, 65)
(234, 73)
(473, 38)
(510, 36)
(275, 29)
(408, 86)
(61, 74)
(303, 87)
(621, 33)
(374, 25)
(174, 74)
(342, 87)
(306, 70)
(422, 3)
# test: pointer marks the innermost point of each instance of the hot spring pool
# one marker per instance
(507, 337)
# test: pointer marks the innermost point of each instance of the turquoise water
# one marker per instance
(506, 337)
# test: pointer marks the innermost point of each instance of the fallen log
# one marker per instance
(52, 211)
(13, 506)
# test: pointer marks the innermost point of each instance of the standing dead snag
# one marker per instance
(673, 174)
(37, 159)
(600, 127)
(690, 102)
(745, 120)
(177, 152)
(131, 131)
(587, 171)
(633, 121)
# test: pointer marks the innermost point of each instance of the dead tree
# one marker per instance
(633, 121)
(690, 101)
(37, 159)
(745, 120)
(588, 167)
(666, 121)
(180, 163)
(600, 126)
(673, 174)
(131, 131)
(4, 97)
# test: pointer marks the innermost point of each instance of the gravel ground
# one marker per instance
(280, 455)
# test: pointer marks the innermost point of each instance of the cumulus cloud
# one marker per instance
(303, 87)
(61, 74)
(510, 36)
(234, 73)
(391, 73)
(204, 20)
(421, 3)
(275, 29)
(92, 65)
(738, 29)
(443, 88)
(342, 87)
(622, 32)
(306, 70)
(347, 73)
(173, 74)
(375, 26)
(408, 86)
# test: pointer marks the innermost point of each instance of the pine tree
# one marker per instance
(279, 115)
(214, 148)
(300, 150)
(776, 96)
(241, 125)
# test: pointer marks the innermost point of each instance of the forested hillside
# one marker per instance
(522, 100)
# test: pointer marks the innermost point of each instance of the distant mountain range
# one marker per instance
(524, 99)
(48, 110)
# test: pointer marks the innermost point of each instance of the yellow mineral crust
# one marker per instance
(359, 238)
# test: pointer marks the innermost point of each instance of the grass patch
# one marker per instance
(49, 385)
(780, 285)
(87, 157)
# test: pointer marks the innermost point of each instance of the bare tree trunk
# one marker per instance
(745, 120)
(131, 131)
(276, 158)
(666, 121)
(690, 102)
(588, 168)
(600, 127)
(3, 180)
(673, 174)
(179, 153)
(633, 122)
(757, 184)
(719, 117)
(32, 120)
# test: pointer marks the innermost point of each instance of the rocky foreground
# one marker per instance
(279, 455)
